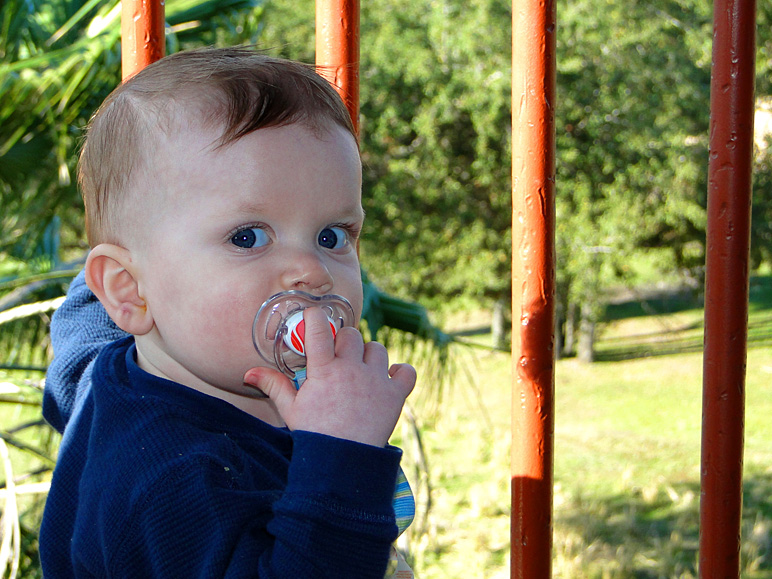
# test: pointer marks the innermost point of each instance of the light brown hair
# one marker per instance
(238, 89)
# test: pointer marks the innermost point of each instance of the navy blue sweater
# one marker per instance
(155, 479)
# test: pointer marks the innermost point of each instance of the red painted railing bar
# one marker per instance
(533, 286)
(337, 49)
(726, 286)
(142, 34)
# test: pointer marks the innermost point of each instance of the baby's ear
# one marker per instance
(111, 275)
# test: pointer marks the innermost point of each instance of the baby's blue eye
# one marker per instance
(250, 238)
(333, 238)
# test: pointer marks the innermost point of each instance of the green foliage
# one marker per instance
(435, 114)
(27, 444)
(633, 87)
(763, 49)
(761, 214)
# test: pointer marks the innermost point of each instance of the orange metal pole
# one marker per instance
(533, 285)
(726, 285)
(337, 49)
(142, 34)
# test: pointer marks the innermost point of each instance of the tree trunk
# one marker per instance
(560, 313)
(499, 325)
(586, 345)
(569, 344)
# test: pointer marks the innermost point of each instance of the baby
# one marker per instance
(213, 180)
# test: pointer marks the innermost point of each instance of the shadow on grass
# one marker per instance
(656, 303)
(668, 340)
(654, 532)
(665, 338)
(662, 302)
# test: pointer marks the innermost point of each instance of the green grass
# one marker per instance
(627, 455)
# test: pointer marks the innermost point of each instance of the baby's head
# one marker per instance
(214, 180)
(233, 91)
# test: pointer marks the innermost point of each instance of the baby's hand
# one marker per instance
(350, 391)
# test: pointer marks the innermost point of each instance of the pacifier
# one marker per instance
(278, 331)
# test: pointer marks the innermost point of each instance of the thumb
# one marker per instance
(273, 384)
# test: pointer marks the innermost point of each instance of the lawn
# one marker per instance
(627, 457)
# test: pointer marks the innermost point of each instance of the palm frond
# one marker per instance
(406, 328)
(10, 546)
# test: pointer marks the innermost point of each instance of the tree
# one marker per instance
(761, 227)
(633, 91)
(435, 124)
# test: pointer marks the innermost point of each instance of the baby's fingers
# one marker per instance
(275, 385)
(376, 353)
(403, 376)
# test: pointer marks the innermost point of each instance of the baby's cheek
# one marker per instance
(231, 326)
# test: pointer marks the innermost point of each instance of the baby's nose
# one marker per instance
(308, 273)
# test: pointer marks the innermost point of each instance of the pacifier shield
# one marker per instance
(278, 331)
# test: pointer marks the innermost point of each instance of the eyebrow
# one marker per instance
(255, 207)
(357, 212)
(252, 207)
(352, 211)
